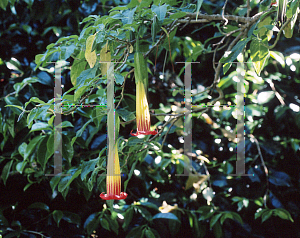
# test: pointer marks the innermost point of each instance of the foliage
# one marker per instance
(210, 201)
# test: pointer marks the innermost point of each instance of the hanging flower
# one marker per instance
(113, 178)
(142, 112)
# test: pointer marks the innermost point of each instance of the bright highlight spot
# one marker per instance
(295, 56)
(294, 107)
(137, 172)
(293, 68)
(157, 160)
(288, 61)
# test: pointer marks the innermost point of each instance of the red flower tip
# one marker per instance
(144, 133)
(113, 196)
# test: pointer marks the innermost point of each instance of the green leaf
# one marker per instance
(119, 79)
(3, 221)
(50, 144)
(194, 223)
(237, 217)
(13, 101)
(79, 92)
(178, 15)
(10, 123)
(1, 128)
(90, 55)
(224, 216)
(45, 79)
(27, 186)
(167, 215)
(127, 16)
(67, 148)
(127, 218)
(125, 114)
(3, 4)
(145, 213)
(67, 180)
(98, 114)
(259, 54)
(40, 126)
(148, 233)
(37, 100)
(283, 214)
(6, 170)
(160, 11)
(32, 145)
(39, 59)
(35, 113)
(43, 154)
(65, 124)
(236, 50)
(104, 223)
(20, 166)
(71, 217)
(199, 4)
(100, 36)
(67, 51)
(113, 224)
(87, 167)
(86, 74)
(292, 9)
(57, 216)
(214, 219)
(130, 174)
(217, 229)
(54, 181)
(79, 132)
(78, 67)
(260, 212)
(266, 215)
(136, 232)
(39, 205)
(91, 223)
(19, 107)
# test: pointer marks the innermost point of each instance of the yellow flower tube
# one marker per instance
(142, 108)
(113, 178)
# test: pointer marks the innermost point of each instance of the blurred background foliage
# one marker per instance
(209, 202)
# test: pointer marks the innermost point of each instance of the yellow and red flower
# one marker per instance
(142, 111)
(113, 178)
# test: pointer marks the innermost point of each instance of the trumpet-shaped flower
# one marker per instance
(113, 178)
(142, 111)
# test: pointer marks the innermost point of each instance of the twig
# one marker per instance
(276, 93)
(174, 120)
(279, 33)
(248, 8)
(265, 168)
(123, 87)
(223, 11)
(217, 17)
(189, 21)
